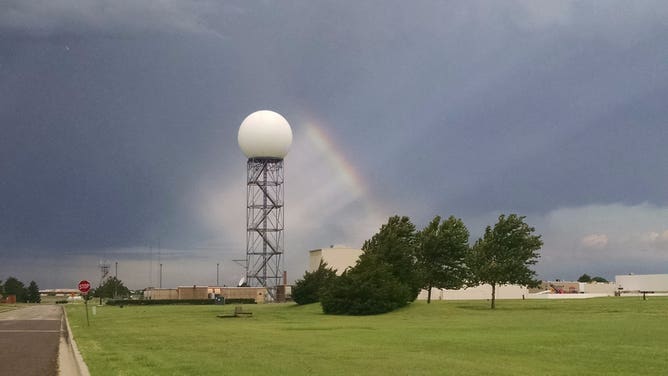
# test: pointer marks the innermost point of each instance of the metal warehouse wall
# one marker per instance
(643, 282)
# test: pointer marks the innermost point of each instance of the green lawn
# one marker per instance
(605, 336)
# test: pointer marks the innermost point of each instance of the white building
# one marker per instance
(477, 293)
(337, 257)
(642, 282)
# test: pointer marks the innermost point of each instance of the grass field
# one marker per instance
(604, 336)
(8, 307)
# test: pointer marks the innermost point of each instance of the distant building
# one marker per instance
(161, 294)
(642, 282)
(337, 257)
(590, 289)
(59, 292)
(477, 293)
(259, 294)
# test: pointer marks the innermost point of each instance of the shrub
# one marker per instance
(307, 290)
(365, 290)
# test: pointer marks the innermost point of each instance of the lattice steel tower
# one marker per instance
(264, 222)
(104, 270)
(264, 137)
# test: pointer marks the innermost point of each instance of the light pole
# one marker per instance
(217, 274)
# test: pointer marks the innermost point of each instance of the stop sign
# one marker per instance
(84, 286)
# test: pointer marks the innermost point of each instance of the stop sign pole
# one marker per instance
(84, 287)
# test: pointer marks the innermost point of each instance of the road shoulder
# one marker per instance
(70, 361)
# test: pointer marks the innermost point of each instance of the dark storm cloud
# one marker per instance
(617, 158)
(534, 111)
(100, 155)
(106, 17)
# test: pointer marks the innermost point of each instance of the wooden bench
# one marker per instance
(238, 312)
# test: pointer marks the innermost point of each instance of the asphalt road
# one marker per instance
(29, 339)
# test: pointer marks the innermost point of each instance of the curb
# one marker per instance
(68, 353)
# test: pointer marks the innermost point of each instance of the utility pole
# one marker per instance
(160, 261)
(217, 274)
(150, 266)
(116, 282)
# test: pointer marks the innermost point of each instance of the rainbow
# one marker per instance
(346, 173)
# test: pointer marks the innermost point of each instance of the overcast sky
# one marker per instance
(119, 122)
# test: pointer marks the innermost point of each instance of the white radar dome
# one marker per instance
(265, 134)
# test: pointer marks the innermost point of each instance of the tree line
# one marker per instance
(399, 261)
(111, 287)
(29, 294)
(587, 279)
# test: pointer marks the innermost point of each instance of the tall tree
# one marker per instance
(33, 293)
(395, 245)
(111, 287)
(384, 278)
(15, 287)
(441, 254)
(505, 254)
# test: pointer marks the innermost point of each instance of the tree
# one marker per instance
(587, 279)
(307, 290)
(32, 295)
(505, 254)
(441, 254)
(395, 245)
(111, 287)
(384, 278)
(15, 287)
(584, 278)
